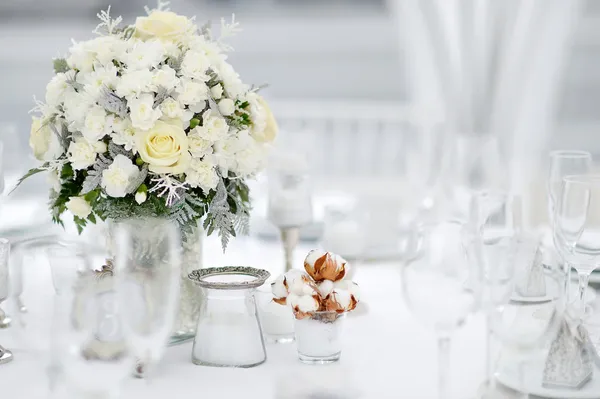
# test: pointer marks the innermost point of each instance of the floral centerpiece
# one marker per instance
(150, 120)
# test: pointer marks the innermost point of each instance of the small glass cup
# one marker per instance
(318, 337)
(277, 320)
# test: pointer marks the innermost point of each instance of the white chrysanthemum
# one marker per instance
(192, 93)
(231, 80)
(97, 124)
(107, 48)
(251, 158)
(144, 54)
(82, 153)
(171, 109)
(217, 91)
(202, 173)
(214, 128)
(115, 179)
(143, 114)
(199, 146)
(79, 207)
(124, 133)
(194, 66)
(101, 77)
(165, 77)
(81, 57)
(210, 49)
(226, 106)
(133, 83)
(224, 152)
(57, 89)
(76, 106)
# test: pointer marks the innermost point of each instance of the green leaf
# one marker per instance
(193, 123)
(60, 65)
(92, 196)
(27, 175)
(92, 218)
(67, 172)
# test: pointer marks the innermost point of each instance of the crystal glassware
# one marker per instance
(345, 231)
(94, 359)
(5, 355)
(290, 200)
(564, 163)
(441, 282)
(577, 227)
(229, 332)
(319, 337)
(277, 320)
(147, 266)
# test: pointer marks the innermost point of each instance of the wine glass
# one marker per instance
(564, 163)
(577, 227)
(441, 282)
(147, 267)
(493, 214)
(87, 336)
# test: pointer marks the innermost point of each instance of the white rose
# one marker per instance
(57, 89)
(214, 128)
(217, 91)
(116, 178)
(97, 124)
(202, 174)
(82, 153)
(199, 146)
(143, 114)
(226, 106)
(145, 55)
(165, 77)
(164, 147)
(43, 141)
(171, 109)
(79, 207)
(140, 197)
(264, 127)
(124, 134)
(163, 25)
(194, 65)
(192, 93)
(133, 83)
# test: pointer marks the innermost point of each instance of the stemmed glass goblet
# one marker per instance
(441, 282)
(564, 163)
(577, 227)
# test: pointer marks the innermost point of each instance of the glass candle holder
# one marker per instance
(277, 320)
(229, 332)
(319, 337)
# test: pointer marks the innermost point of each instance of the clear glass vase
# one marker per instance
(319, 337)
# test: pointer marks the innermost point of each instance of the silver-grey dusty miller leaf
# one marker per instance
(94, 176)
(113, 103)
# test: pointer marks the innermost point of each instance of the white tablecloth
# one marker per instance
(387, 354)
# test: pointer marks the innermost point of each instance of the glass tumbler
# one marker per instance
(229, 332)
(319, 337)
(277, 320)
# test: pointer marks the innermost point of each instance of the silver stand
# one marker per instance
(290, 236)
(4, 320)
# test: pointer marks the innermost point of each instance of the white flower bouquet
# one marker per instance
(150, 120)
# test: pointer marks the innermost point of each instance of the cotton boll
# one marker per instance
(343, 298)
(278, 287)
(292, 300)
(325, 266)
(307, 304)
(325, 288)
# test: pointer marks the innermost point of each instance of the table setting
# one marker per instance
(161, 161)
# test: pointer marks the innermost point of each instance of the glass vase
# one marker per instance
(319, 337)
